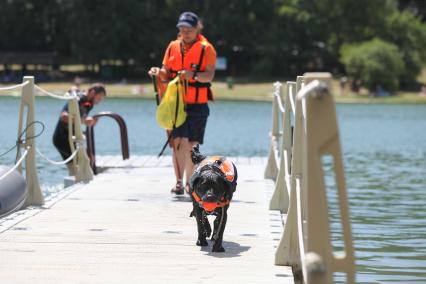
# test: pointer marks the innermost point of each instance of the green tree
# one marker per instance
(409, 34)
(28, 25)
(375, 62)
(259, 37)
(320, 28)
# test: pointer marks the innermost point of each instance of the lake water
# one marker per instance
(384, 150)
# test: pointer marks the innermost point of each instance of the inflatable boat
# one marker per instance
(13, 191)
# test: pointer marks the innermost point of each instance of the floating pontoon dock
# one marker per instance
(126, 227)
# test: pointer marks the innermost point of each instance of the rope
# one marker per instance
(17, 164)
(13, 147)
(277, 86)
(14, 87)
(19, 141)
(67, 96)
(26, 128)
(280, 103)
(61, 162)
(310, 88)
(290, 94)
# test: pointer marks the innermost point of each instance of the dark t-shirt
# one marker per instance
(84, 105)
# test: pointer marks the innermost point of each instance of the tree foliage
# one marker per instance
(259, 37)
(409, 34)
(376, 63)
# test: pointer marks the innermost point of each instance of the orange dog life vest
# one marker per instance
(227, 168)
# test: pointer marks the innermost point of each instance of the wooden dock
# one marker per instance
(126, 227)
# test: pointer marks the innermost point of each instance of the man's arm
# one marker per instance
(64, 116)
(161, 72)
(90, 121)
(87, 120)
(207, 75)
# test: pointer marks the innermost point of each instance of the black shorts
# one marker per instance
(63, 146)
(60, 140)
(195, 125)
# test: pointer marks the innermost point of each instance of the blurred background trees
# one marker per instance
(259, 38)
(377, 63)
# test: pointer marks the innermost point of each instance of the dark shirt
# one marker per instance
(84, 105)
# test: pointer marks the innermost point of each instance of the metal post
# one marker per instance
(90, 136)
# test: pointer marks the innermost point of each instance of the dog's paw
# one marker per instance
(218, 249)
(202, 243)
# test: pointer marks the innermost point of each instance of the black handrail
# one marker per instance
(90, 136)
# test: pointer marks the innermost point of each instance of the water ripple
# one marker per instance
(387, 193)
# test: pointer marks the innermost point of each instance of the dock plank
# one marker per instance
(125, 226)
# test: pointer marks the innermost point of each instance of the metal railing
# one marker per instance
(90, 135)
(309, 132)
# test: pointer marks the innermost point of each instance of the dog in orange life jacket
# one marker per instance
(211, 188)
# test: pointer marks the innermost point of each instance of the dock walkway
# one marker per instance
(126, 227)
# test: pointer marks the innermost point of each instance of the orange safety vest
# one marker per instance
(197, 93)
(227, 168)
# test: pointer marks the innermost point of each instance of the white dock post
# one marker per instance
(81, 162)
(288, 251)
(271, 170)
(34, 194)
(323, 138)
(280, 197)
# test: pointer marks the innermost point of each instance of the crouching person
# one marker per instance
(87, 99)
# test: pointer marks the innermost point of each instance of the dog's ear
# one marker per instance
(196, 156)
(229, 191)
(194, 181)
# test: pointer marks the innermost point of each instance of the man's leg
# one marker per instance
(178, 157)
(64, 149)
(178, 163)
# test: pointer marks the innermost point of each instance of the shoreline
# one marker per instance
(256, 92)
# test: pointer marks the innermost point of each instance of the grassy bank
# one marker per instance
(246, 92)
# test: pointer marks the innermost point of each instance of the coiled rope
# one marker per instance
(19, 142)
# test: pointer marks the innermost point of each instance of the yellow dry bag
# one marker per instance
(171, 111)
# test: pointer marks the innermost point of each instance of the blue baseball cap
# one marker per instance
(187, 19)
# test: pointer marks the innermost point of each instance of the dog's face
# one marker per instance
(210, 184)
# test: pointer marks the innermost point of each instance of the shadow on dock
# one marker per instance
(232, 250)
